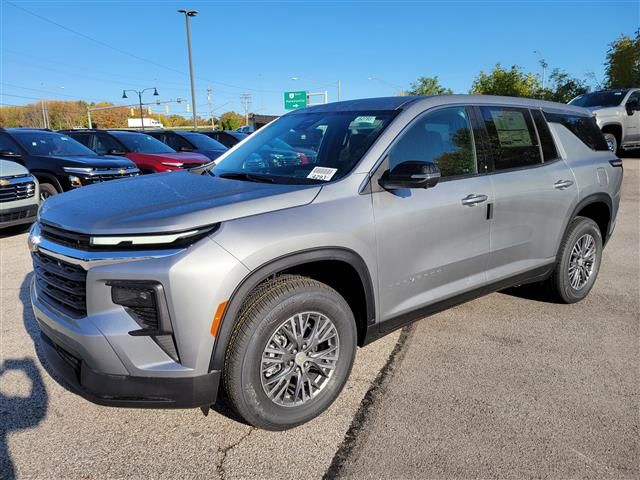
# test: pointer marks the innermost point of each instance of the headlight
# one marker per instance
(79, 170)
(172, 164)
(152, 241)
(75, 181)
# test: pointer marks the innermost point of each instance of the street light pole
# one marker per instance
(139, 93)
(543, 64)
(187, 15)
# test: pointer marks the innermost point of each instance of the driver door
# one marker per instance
(433, 243)
(632, 119)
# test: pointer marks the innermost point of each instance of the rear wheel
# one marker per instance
(47, 190)
(612, 142)
(290, 353)
(579, 262)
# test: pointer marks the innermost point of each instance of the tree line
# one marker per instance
(622, 70)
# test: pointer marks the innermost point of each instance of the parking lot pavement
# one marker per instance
(511, 387)
(47, 432)
(504, 386)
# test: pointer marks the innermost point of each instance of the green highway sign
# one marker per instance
(293, 100)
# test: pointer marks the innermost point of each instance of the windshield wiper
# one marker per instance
(251, 177)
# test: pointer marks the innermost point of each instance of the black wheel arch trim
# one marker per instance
(588, 200)
(46, 177)
(272, 267)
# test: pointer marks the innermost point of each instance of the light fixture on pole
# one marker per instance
(139, 93)
(187, 15)
(543, 64)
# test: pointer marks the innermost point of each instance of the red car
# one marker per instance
(149, 154)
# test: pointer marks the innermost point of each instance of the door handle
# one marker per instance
(472, 199)
(562, 184)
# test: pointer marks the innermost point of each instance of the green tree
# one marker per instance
(428, 86)
(231, 120)
(622, 67)
(512, 82)
(562, 87)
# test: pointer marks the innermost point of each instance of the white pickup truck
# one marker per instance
(617, 113)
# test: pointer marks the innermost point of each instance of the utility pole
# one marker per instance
(210, 102)
(245, 99)
(45, 114)
(187, 15)
(543, 64)
(339, 85)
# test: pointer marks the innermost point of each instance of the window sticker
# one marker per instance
(512, 128)
(322, 173)
(362, 119)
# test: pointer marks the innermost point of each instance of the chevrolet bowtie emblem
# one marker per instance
(122, 171)
(4, 183)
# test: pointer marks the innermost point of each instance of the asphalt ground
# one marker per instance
(505, 386)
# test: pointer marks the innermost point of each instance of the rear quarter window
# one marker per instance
(583, 127)
(549, 151)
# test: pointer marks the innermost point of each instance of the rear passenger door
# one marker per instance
(534, 190)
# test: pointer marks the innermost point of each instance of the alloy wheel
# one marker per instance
(582, 261)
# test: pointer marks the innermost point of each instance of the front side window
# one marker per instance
(141, 143)
(442, 137)
(203, 142)
(50, 144)
(512, 137)
(309, 147)
(105, 143)
(583, 127)
(175, 141)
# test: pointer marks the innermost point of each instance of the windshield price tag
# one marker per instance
(322, 173)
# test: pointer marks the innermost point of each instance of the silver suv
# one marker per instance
(617, 114)
(264, 272)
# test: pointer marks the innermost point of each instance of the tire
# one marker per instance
(250, 371)
(47, 190)
(612, 142)
(565, 285)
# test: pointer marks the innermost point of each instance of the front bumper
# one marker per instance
(95, 351)
(126, 390)
(18, 216)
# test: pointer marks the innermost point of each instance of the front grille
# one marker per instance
(105, 177)
(18, 188)
(65, 237)
(61, 284)
(19, 214)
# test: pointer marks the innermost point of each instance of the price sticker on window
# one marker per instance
(322, 173)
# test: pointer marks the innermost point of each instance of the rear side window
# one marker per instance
(512, 137)
(585, 128)
(549, 152)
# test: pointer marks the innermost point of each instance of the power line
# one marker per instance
(119, 50)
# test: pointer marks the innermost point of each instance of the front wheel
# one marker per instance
(612, 142)
(290, 353)
(579, 261)
(47, 190)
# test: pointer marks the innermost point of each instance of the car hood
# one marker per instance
(185, 157)
(11, 169)
(89, 161)
(167, 202)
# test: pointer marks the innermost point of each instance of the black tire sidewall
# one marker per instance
(614, 139)
(50, 189)
(257, 405)
(565, 290)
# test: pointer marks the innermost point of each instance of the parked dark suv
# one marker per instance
(190, 142)
(226, 137)
(58, 161)
(148, 153)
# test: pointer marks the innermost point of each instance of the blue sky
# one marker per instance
(257, 46)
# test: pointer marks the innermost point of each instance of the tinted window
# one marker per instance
(7, 144)
(442, 137)
(141, 143)
(105, 143)
(610, 98)
(585, 128)
(512, 137)
(50, 144)
(203, 142)
(175, 141)
(634, 98)
(227, 140)
(335, 141)
(549, 151)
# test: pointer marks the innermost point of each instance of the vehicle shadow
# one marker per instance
(15, 230)
(21, 412)
(538, 292)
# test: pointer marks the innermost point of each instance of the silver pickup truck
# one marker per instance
(617, 114)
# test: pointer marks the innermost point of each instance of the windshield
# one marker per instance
(307, 147)
(202, 142)
(141, 143)
(50, 143)
(599, 99)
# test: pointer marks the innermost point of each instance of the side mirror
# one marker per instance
(411, 174)
(632, 106)
(115, 151)
(10, 154)
(185, 149)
